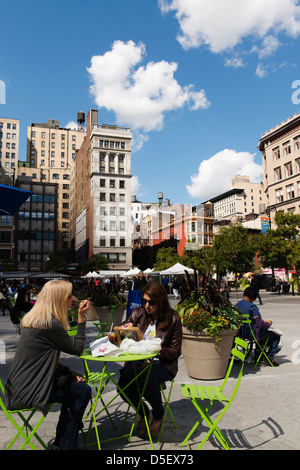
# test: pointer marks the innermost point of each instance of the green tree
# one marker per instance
(200, 260)
(165, 258)
(55, 262)
(279, 248)
(95, 263)
(9, 264)
(233, 249)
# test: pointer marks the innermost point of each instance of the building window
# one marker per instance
(102, 196)
(297, 143)
(286, 148)
(290, 194)
(288, 171)
(277, 173)
(276, 154)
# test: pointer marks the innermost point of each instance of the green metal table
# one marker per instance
(107, 375)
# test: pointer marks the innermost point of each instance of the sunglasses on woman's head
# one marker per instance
(150, 302)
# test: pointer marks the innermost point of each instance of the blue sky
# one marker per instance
(197, 81)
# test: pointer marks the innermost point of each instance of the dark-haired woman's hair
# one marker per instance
(158, 294)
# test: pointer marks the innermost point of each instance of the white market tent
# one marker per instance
(91, 274)
(148, 271)
(132, 272)
(177, 269)
(109, 273)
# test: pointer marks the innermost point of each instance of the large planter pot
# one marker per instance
(91, 314)
(206, 358)
(103, 315)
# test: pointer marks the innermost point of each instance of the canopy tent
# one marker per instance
(177, 269)
(132, 272)
(148, 271)
(11, 199)
(49, 275)
(109, 273)
(91, 274)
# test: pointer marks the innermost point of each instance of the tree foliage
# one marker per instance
(55, 262)
(95, 263)
(280, 248)
(165, 258)
(233, 249)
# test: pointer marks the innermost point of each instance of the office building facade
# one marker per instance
(103, 194)
(9, 150)
(51, 154)
(280, 149)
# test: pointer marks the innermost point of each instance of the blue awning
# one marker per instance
(11, 199)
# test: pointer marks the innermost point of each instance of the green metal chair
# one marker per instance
(105, 326)
(96, 380)
(25, 430)
(199, 395)
(166, 399)
(258, 347)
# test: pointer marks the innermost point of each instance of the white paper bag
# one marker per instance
(147, 346)
(103, 347)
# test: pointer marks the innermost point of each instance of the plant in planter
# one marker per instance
(210, 323)
(104, 305)
(101, 299)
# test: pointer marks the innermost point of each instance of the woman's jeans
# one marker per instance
(152, 394)
(67, 428)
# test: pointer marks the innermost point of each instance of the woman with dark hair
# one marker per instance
(154, 318)
(23, 304)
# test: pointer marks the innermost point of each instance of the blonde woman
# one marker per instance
(36, 377)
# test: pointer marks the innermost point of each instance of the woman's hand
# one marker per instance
(77, 376)
(82, 310)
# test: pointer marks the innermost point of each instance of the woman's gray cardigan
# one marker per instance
(32, 374)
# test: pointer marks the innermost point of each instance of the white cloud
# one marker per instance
(261, 71)
(270, 45)
(135, 185)
(138, 141)
(73, 125)
(235, 62)
(139, 95)
(223, 24)
(215, 174)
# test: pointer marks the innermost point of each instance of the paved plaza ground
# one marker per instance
(265, 414)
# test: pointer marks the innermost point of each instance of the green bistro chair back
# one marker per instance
(258, 347)
(203, 397)
(24, 430)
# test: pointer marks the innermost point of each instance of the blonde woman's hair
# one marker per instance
(51, 303)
